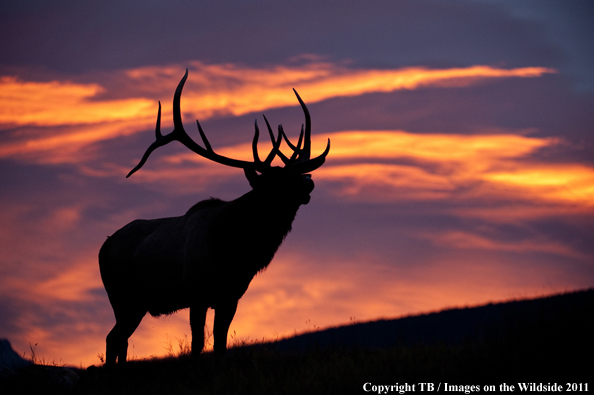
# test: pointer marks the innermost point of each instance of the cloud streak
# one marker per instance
(455, 166)
(57, 118)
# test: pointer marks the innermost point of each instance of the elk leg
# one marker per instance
(223, 316)
(197, 322)
(117, 339)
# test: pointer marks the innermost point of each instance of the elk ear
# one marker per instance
(252, 177)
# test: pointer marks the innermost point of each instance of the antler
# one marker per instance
(298, 163)
(180, 135)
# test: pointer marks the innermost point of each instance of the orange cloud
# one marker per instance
(443, 165)
(386, 182)
(64, 103)
(432, 147)
(571, 183)
(72, 284)
(249, 90)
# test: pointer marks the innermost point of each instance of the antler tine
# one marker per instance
(306, 152)
(255, 141)
(158, 134)
(275, 147)
(274, 142)
(203, 136)
(180, 135)
(160, 141)
(275, 150)
(296, 149)
(269, 129)
(283, 157)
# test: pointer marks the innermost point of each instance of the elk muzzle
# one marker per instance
(306, 187)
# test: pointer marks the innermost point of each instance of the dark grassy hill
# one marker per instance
(545, 340)
(561, 317)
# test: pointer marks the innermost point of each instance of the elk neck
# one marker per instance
(260, 224)
(267, 215)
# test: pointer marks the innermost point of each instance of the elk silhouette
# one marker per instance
(207, 257)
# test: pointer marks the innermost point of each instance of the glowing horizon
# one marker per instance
(435, 167)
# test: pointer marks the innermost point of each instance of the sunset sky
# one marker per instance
(461, 170)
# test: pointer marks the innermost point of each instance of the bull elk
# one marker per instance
(207, 257)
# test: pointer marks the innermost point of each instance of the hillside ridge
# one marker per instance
(451, 326)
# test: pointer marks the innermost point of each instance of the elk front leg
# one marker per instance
(117, 340)
(197, 322)
(223, 316)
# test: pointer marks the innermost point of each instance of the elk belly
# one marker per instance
(165, 304)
